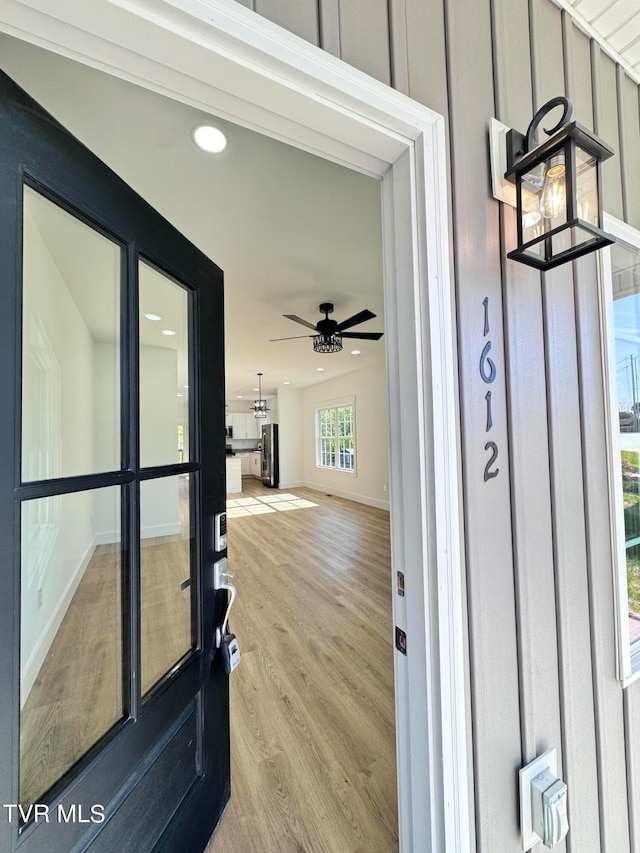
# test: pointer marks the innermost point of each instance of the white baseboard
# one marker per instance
(110, 536)
(161, 530)
(351, 496)
(107, 537)
(41, 650)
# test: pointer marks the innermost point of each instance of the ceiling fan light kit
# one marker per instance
(329, 333)
(327, 343)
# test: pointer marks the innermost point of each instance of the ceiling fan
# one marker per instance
(329, 333)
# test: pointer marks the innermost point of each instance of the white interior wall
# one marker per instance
(159, 513)
(106, 417)
(57, 542)
(159, 508)
(158, 406)
(369, 484)
(290, 437)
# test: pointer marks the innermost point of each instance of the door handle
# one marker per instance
(221, 573)
(221, 576)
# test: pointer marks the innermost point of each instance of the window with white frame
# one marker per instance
(335, 436)
(621, 296)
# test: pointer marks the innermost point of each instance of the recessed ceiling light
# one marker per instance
(210, 139)
(286, 383)
(185, 386)
(256, 389)
(180, 395)
(153, 317)
(239, 397)
(168, 332)
(355, 352)
(319, 369)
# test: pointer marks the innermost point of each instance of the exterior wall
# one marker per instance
(539, 573)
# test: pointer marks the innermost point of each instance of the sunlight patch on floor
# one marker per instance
(238, 507)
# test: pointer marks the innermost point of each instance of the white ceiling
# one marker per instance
(289, 230)
(618, 22)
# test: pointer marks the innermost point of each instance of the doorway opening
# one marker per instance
(290, 231)
(235, 64)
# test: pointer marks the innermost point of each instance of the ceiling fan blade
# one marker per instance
(357, 318)
(300, 320)
(363, 336)
(295, 337)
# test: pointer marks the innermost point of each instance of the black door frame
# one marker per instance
(193, 697)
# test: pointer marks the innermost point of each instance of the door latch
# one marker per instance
(225, 641)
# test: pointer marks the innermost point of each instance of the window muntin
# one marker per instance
(78, 559)
(335, 437)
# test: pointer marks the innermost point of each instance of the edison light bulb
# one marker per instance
(553, 201)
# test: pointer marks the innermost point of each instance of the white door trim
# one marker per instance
(220, 57)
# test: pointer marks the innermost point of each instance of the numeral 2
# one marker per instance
(488, 473)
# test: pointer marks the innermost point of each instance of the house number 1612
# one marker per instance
(488, 374)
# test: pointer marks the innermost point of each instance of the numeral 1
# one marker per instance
(487, 397)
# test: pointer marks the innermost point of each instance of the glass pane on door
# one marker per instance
(164, 369)
(70, 631)
(166, 575)
(70, 345)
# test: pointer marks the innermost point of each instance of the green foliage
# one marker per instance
(633, 585)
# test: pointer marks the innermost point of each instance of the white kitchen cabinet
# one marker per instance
(239, 425)
(246, 425)
(245, 462)
(253, 426)
(256, 464)
(234, 476)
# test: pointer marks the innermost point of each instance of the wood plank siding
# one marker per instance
(541, 629)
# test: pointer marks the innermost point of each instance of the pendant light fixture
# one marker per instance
(260, 406)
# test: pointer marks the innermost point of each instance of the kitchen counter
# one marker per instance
(234, 475)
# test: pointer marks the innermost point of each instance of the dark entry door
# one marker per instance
(114, 730)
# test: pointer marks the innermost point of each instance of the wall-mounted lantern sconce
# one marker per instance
(558, 189)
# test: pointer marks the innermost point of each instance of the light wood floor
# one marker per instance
(312, 702)
(77, 695)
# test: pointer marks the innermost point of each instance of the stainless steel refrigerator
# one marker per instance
(270, 472)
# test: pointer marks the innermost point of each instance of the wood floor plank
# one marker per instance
(312, 703)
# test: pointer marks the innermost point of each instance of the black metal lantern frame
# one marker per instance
(558, 190)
